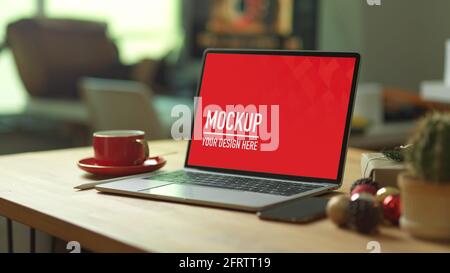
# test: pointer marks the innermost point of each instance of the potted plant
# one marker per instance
(425, 187)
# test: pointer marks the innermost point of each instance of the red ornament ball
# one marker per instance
(367, 188)
(392, 209)
(364, 181)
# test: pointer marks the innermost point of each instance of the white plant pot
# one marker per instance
(425, 208)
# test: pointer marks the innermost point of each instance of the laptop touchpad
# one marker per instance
(214, 195)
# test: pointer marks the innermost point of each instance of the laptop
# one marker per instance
(269, 126)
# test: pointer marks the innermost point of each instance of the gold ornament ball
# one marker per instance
(337, 209)
(385, 192)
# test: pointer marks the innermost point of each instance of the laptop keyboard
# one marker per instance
(235, 182)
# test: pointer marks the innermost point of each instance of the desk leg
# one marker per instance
(32, 240)
(9, 234)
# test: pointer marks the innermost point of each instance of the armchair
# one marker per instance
(53, 54)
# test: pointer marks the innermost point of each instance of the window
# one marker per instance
(141, 28)
(12, 92)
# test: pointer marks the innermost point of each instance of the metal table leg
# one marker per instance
(32, 240)
(9, 234)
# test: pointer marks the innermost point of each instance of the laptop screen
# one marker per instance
(274, 114)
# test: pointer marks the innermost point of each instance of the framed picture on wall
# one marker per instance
(274, 24)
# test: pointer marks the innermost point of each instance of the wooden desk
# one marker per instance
(37, 189)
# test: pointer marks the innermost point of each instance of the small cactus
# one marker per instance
(428, 158)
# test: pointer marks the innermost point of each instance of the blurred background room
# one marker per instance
(68, 67)
(71, 67)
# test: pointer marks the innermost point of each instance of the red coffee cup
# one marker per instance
(120, 147)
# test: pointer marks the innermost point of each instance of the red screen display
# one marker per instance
(272, 114)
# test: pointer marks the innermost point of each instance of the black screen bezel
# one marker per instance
(338, 180)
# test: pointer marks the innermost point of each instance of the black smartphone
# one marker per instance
(302, 210)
